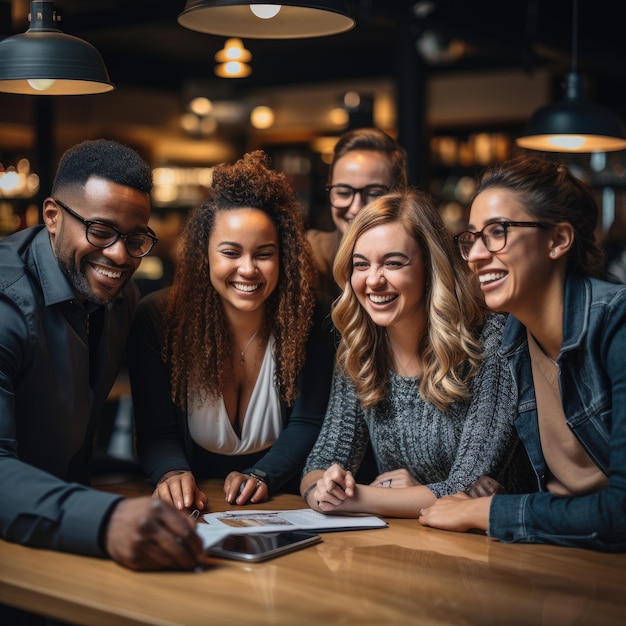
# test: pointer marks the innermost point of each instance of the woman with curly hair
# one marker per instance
(417, 371)
(230, 367)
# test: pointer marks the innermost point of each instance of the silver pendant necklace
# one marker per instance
(243, 352)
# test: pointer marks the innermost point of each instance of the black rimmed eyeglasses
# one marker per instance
(493, 236)
(103, 235)
(341, 196)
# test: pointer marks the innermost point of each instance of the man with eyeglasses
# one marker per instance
(66, 302)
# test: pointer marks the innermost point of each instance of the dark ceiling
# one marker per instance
(143, 44)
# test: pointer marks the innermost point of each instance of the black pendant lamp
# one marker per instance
(260, 20)
(574, 124)
(44, 61)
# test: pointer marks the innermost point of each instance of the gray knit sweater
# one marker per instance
(444, 451)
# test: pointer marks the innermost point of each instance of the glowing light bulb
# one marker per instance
(233, 50)
(265, 11)
(41, 84)
(232, 68)
(571, 142)
(9, 181)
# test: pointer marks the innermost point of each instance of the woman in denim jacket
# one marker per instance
(531, 245)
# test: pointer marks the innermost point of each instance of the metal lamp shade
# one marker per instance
(574, 127)
(295, 20)
(58, 64)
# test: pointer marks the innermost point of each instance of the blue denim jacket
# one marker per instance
(592, 378)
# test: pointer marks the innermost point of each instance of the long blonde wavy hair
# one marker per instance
(198, 339)
(450, 350)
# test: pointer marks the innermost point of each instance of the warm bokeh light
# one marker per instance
(352, 100)
(233, 50)
(208, 125)
(233, 69)
(18, 181)
(262, 117)
(338, 116)
(324, 146)
(200, 106)
(190, 122)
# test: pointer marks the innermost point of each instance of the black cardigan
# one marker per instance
(162, 435)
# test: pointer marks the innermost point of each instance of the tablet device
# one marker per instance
(254, 547)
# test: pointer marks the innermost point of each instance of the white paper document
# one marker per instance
(236, 522)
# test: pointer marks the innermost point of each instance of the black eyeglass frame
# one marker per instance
(476, 234)
(149, 235)
(355, 190)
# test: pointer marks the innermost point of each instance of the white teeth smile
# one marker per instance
(487, 278)
(381, 299)
(246, 288)
(107, 273)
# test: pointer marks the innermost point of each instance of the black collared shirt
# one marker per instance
(48, 405)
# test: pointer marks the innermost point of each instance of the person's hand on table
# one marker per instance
(459, 512)
(395, 479)
(148, 534)
(333, 488)
(179, 488)
(243, 488)
(485, 486)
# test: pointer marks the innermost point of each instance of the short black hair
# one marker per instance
(106, 159)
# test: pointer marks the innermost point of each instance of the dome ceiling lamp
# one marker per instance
(574, 124)
(259, 20)
(44, 61)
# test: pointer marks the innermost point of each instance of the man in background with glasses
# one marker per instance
(66, 302)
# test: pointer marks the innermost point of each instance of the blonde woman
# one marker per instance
(417, 371)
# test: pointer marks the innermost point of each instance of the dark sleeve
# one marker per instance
(285, 459)
(158, 427)
(37, 508)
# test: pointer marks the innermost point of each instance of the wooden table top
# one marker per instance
(403, 574)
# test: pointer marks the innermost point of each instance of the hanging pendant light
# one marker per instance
(259, 20)
(574, 124)
(44, 61)
(233, 60)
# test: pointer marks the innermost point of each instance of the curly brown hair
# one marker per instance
(198, 338)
